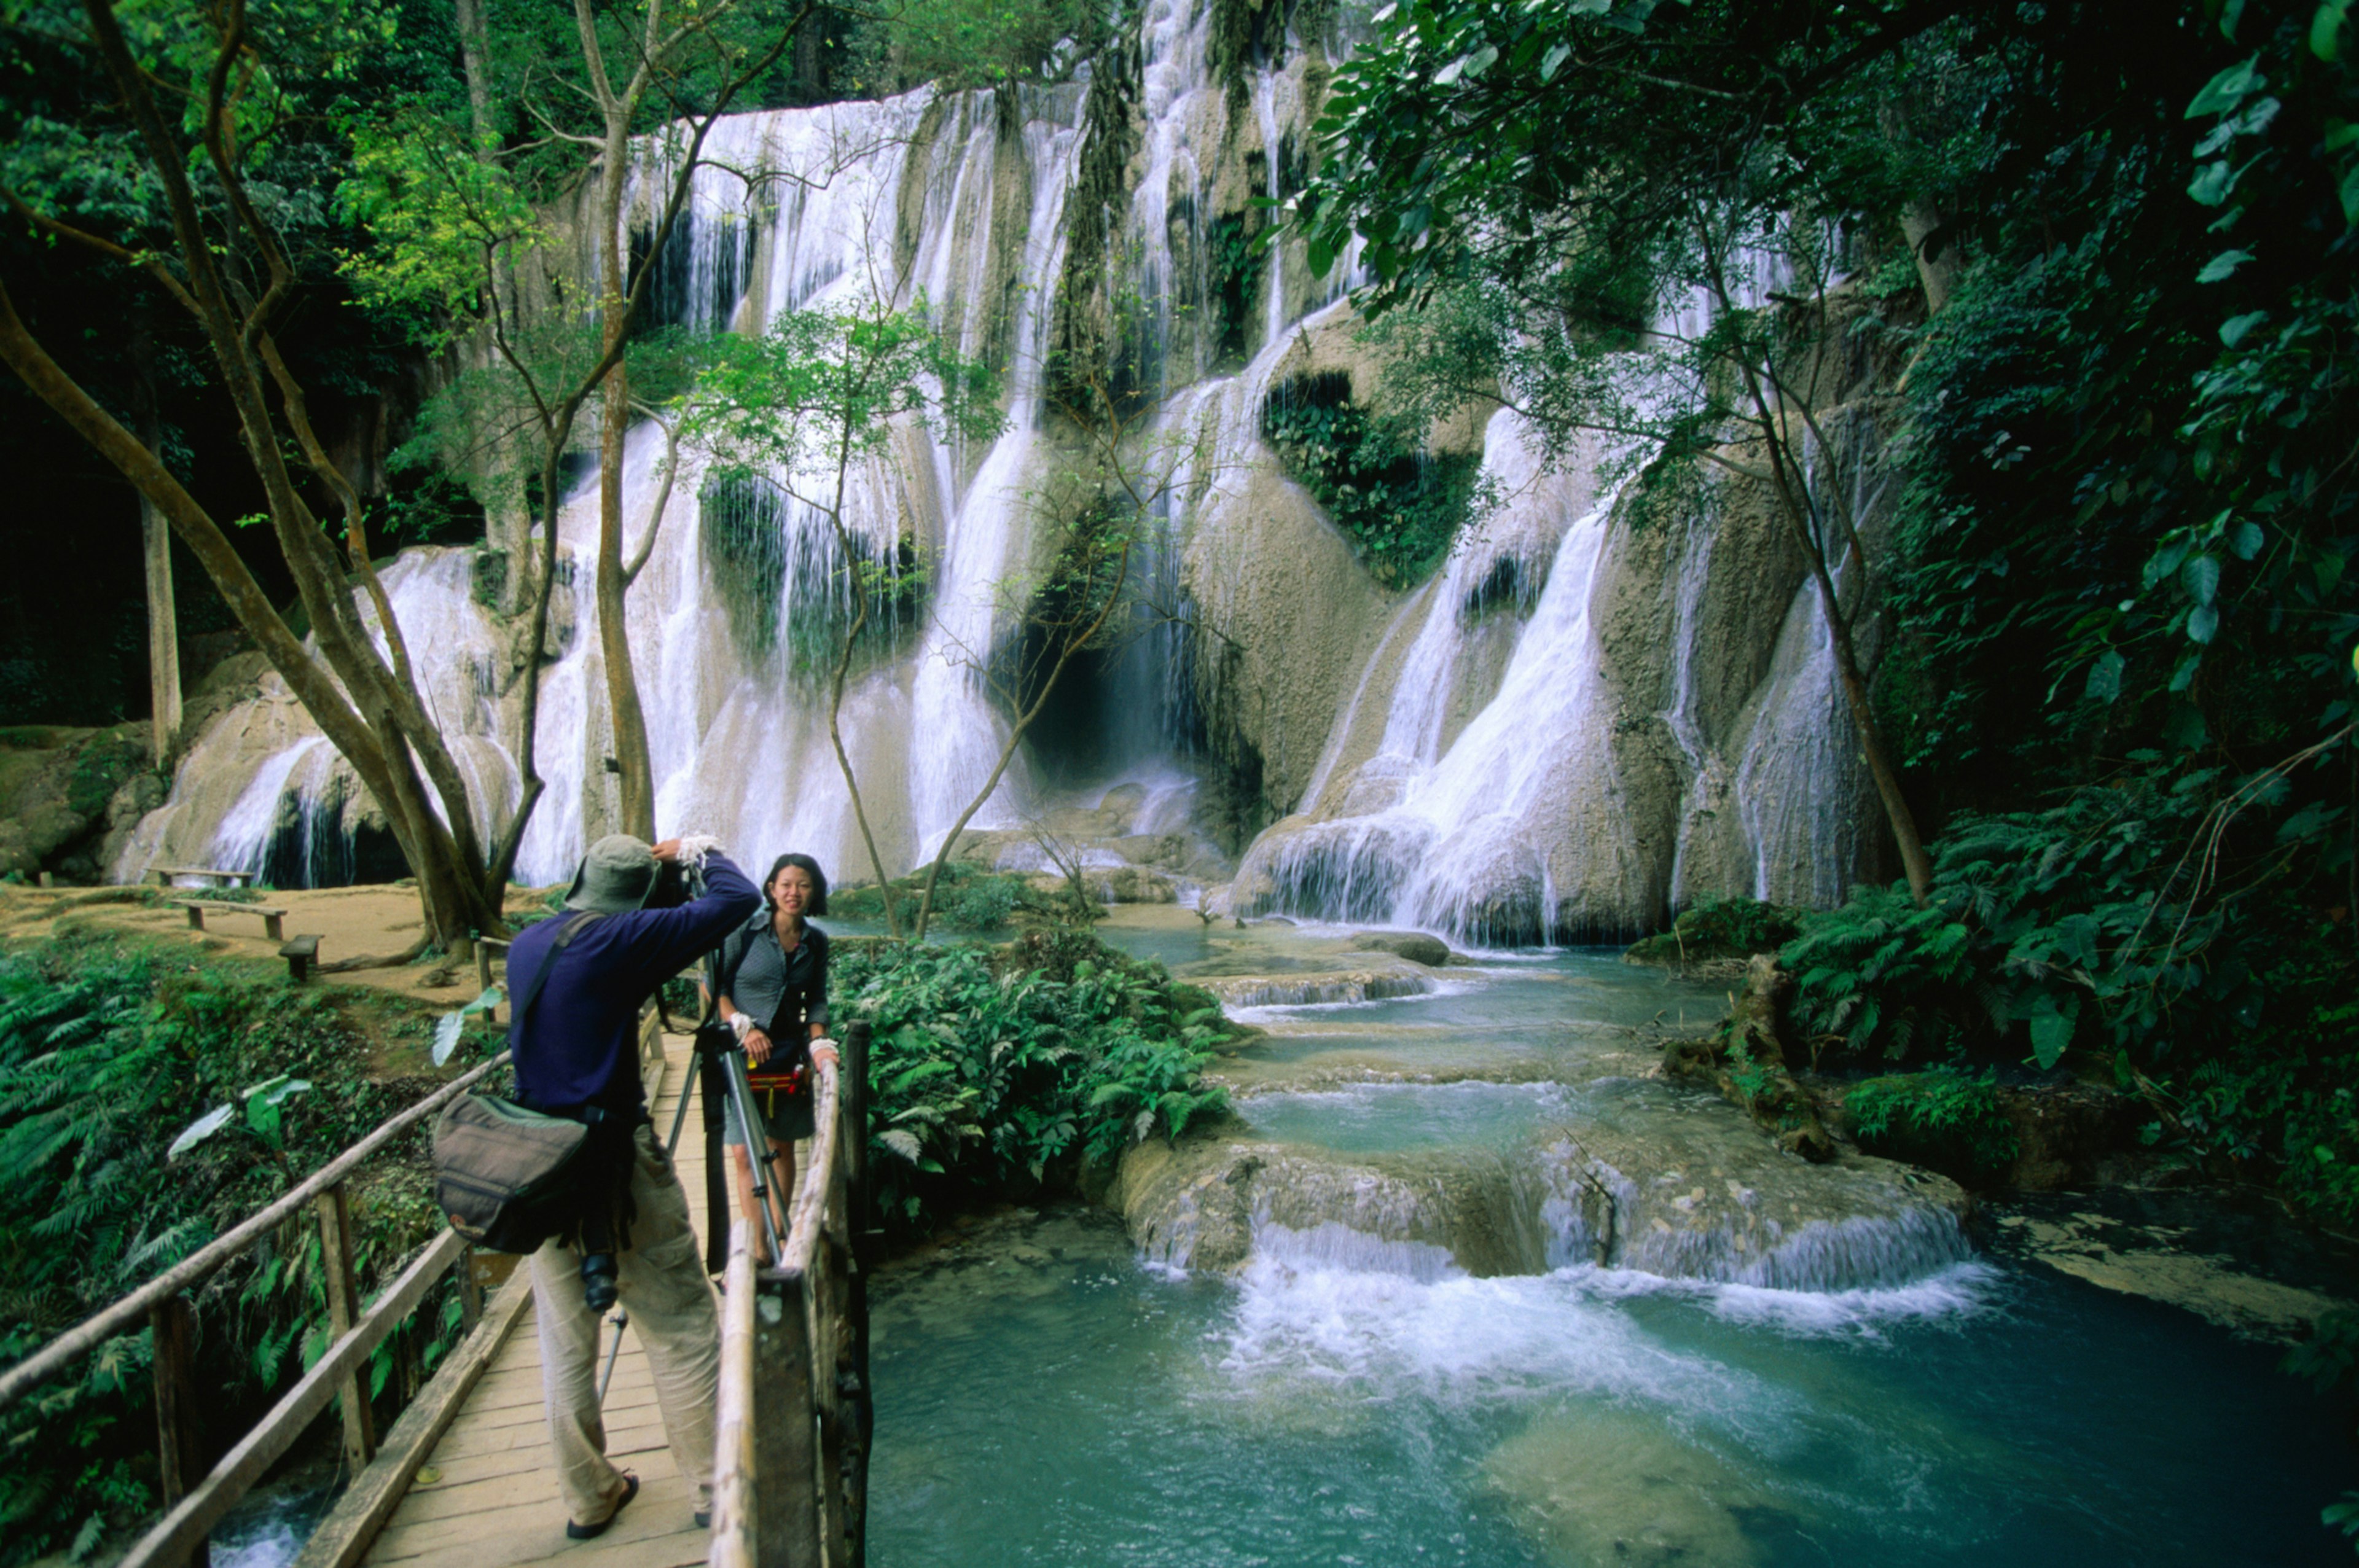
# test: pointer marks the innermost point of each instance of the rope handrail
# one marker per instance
(130, 1310)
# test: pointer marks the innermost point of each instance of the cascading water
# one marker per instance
(1511, 753)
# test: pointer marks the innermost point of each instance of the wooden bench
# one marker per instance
(270, 917)
(163, 875)
(299, 953)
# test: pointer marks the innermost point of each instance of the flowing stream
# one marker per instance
(1050, 1393)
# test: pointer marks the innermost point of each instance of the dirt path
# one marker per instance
(348, 921)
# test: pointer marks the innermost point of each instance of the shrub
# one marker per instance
(1883, 974)
(107, 1050)
(1400, 506)
(998, 1072)
(1945, 1119)
(1720, 928)
(982, 903)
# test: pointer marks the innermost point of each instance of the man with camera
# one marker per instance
(581, 980)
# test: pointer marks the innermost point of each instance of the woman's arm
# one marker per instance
(757, 1044)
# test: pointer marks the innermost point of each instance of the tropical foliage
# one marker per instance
(107, 1052)
(998, 1071)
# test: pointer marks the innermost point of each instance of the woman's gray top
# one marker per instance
(775, 988)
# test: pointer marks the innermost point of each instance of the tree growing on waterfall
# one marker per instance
(798, 411)
(1116, 473)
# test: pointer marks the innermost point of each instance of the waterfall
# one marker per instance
(1576, 720)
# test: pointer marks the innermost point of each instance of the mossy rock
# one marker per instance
(1945, 1121)
(1719, 928)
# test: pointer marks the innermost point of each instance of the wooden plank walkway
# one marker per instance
(492, 1499)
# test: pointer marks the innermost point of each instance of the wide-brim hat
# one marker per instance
(616, 877)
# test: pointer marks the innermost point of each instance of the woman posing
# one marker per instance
(772, 982)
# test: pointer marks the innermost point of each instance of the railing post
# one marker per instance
(831, 1350)
(176, 1439)
(343, 1311)
(858, 1407)
(854, 1078)
(471, 1292)
(786, 1447)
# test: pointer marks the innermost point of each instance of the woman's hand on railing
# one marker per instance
(824, 1053)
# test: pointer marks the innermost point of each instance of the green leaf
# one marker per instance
(2201, 578)
(2203, 624)
(2105, 677)
(2235, 329)
(2052, 1028)
(2326, 29)
(2213, 182)
(1554, 60)
(2247, 541)
(2222, 266)
(196, 1132)
(2225, 90)
(447, 1030)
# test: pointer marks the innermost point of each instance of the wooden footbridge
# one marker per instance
(465, 1477)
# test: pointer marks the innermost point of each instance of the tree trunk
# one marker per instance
(163, 632)
(1936, 273)
(630, 725)
(1914, 861)
(844, 667)
(499, 454)
(156, 546)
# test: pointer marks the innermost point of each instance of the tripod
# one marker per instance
(720, 1063)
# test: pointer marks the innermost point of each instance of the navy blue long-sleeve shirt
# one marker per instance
(579, 1046)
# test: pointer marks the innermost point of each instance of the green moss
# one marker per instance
(1720, 928)
(744, 519)
(1943, 1120)
(99, 769)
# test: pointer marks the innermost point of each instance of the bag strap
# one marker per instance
(574, 926)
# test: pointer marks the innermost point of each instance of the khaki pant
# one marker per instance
(662, 1284)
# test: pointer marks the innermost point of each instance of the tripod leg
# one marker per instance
(713, 1088)
(741, 1095)
(679, 1120)
(621, 1320)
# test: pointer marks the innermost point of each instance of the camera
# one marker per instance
(598, 1283)
(675, 884)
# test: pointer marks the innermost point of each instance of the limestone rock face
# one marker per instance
(1653, 1184)
(1588, 719)
(1598, 707)
(62, 789)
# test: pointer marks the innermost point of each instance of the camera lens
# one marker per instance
(598, 1283)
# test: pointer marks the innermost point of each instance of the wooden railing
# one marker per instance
(791, 1471)
(194, 1504)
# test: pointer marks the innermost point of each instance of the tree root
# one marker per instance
(408, 955)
